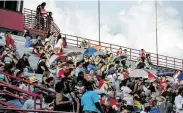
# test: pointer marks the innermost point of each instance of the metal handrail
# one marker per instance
(33, 21)
(76, 40)
(35, 96)
(29, 84)
(31, 110)
(167, 61)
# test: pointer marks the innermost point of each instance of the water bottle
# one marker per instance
(25, 70)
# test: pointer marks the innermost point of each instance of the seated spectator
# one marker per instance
(2, 76)
(23, 62)
(45, 77)
(29, 104)
(137, 104)
(64, 100)
(58, 44)
(64, 42)
(62, 70)
(28, 42)
(90, 100)
(2, 49)
(10, 43)
(48, 103)
(8, 58)
(103, 83)
(84, 44)
(42, 65)
(50, 83)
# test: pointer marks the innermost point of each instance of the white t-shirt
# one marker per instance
(127, 97)
(59, 44)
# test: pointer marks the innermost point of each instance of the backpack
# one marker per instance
(154, 110)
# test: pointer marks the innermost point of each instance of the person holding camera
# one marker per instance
(179, 101)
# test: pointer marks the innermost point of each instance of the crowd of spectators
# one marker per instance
(97, 83)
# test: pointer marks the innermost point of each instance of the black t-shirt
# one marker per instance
(7, 60)
(39, 69)
(22, 64)
(169, 96)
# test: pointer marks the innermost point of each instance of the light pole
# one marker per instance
(156, 30)
(99, 21)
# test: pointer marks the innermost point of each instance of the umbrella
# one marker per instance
(150, 80)
(170, 79)
(120, 58)
(180, 77)
(74, 53)
(54, 58)
(90, 51)
(139, 73)
(164, 73)
(97, 47)
(98, 53)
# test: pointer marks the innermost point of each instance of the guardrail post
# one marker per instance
(130, 54)
(166, 61)
(174, 63)
(157, 60)
(77, 41)
(110, 47)
(28, 87)
(34, 102)
(31, 19)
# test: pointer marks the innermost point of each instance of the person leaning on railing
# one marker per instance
(49, 21)
(40, 14)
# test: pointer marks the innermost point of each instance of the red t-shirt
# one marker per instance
(126, 75)
(117, 53)
(163, 82)
(101, 82)
(102, 102)
(61, 73)
(143, 54)
(113, 102)
(9, 41)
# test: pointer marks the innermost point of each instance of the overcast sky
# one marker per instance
(126, 23)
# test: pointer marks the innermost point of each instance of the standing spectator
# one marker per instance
(168, 95)
(58, 44)
(64, 42)
(179, 101)
(119, 52)
(128, 93)
(90, 100)
(49, 21)
(10, 43)
(142, 55)
(40, 13)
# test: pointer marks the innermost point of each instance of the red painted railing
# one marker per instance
(30, 110)
(34, 96)
(29, 84)
(158, 60)
(38, 24)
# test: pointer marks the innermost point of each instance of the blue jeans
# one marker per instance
(16, 102)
